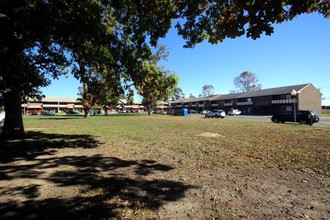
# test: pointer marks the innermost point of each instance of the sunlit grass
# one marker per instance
(173, 140)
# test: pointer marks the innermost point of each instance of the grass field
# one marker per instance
(237, 143)
(157, 158)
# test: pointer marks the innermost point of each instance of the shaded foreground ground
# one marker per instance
(165, 167)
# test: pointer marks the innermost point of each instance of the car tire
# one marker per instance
(216, 116)
(275, 120)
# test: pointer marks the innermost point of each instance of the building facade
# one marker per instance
(63, 105)
(259, 102)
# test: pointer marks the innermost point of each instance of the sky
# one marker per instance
(297, 52)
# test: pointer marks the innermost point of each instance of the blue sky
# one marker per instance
(297, 52)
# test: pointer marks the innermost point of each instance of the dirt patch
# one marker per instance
(210, 134)
(53, 176)
(78, 183)
(237, 194)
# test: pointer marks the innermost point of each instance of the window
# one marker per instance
(286, 108)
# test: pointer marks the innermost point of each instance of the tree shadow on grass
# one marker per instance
(100, 187)
(37, 143)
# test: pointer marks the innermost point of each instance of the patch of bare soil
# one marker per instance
(85, 183)
(209, 134)
(240, 194)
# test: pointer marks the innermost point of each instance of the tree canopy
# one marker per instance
(215, 20)
(207, 90)
(178, 94)
(247, 81)
(41, 37)
(50, 37)
(158, 84)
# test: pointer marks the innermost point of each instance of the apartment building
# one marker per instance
(62, 105)
(262, 102)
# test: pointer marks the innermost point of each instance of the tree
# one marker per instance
(100, 89)
(158, 84)
(191, 96)
(40, 37)
(217, 20)
(130, 96)
(247, 81)
(45, 37)
(207, 90)
(109, 92)
(178, 94)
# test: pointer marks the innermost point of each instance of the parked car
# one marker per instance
(215, 114)
(302, 117)
(205, 111)
(34, 113)
(234, 112)
(192, 111)
(49, 113)
(70, 112)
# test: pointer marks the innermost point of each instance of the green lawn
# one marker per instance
(162, 167)
(239, 143)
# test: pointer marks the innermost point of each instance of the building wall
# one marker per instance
(309, 99)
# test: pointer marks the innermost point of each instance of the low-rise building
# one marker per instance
(63, 105)
(55, 104)
(264, 101)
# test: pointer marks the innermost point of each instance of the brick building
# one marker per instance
(62, 105)
(264, 101)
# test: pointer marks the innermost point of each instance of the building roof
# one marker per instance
(60, 99)
(124, 102)
(162, 103)
(257, 93)
(197, 99)
(56, 99)
(273, 91)
(226, 96)
(262, 92)
(178, 101)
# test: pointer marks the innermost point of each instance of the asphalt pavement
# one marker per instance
(324, 121)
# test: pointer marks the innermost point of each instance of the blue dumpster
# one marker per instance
(185, 112)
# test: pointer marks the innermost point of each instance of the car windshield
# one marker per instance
(313, 113)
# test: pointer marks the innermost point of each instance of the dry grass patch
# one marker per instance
(139, 166)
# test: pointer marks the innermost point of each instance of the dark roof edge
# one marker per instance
(260, 92)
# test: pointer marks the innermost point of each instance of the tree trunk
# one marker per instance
(149, 109)
(86, 110)
(105, 108)
(13, 125)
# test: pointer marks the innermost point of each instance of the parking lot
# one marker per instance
(324, 121)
